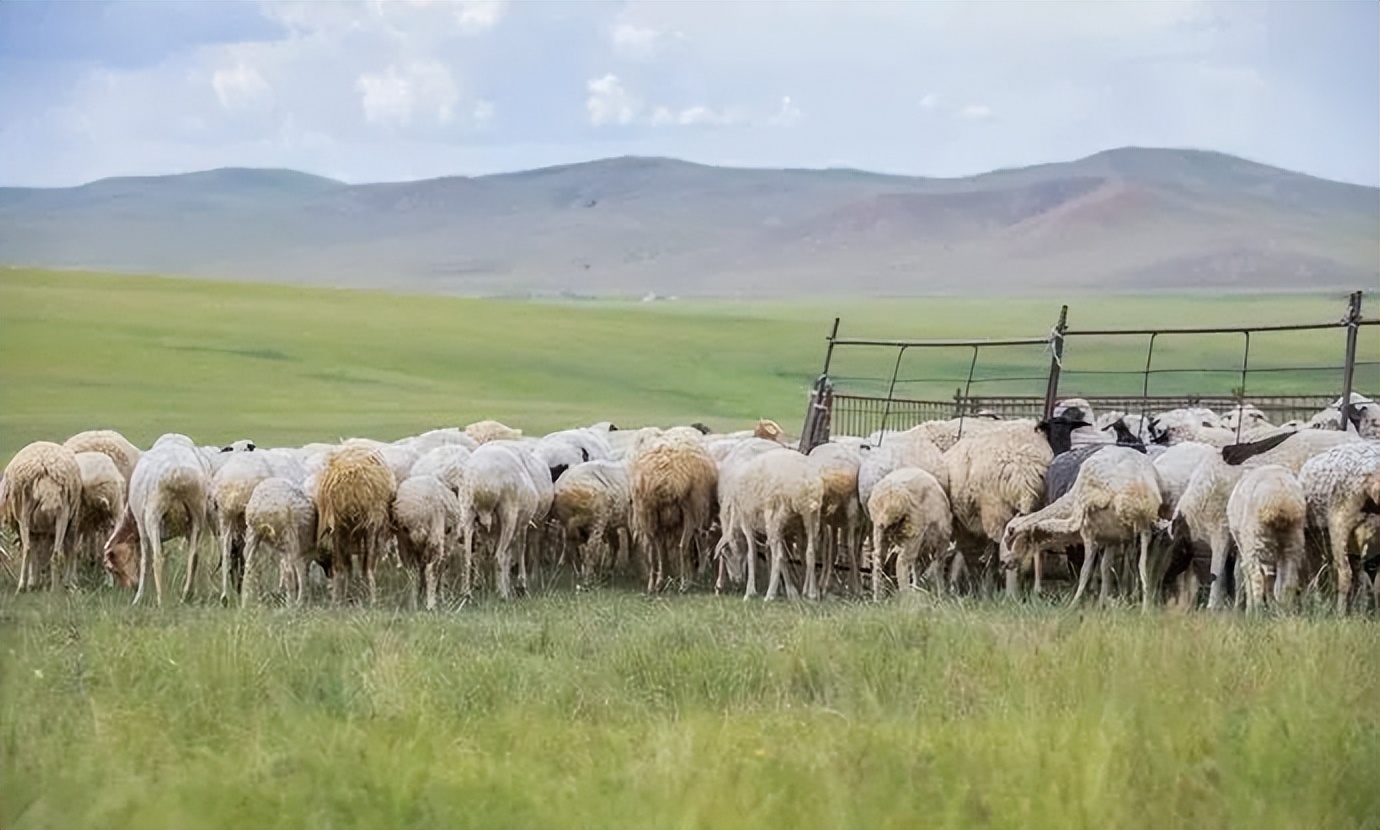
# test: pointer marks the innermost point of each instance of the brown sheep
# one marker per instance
(353, 496)
(43, 498)
(672, 481)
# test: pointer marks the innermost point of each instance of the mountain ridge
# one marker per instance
(631, 225)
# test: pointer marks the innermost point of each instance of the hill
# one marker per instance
(1127, 219)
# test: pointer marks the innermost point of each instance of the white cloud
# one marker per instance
(393, 97)
(241, 87)
(483, 112)
(609, 102)
(635, 41)
(788, 115)
(697, 116)
(930, 101)
(478, 16)
(976, 111)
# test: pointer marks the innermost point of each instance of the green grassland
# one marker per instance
(288, 365)
(607, 708)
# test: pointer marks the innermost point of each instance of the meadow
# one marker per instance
(608, 708)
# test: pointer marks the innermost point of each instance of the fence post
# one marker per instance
(816, 411)
(1056, 361)
(1353, 325)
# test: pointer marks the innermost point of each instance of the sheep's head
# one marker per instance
(120, 557)
(1059, 431)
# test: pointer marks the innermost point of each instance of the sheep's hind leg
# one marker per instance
(1085, 573)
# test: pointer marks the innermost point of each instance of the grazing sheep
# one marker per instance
(231, 487)
(672, 480)
(1266, 513)
(1364, 417)
(498, 487)
(432, 439)
(103, 492)
(911, 516)
(841, 515)
(109, 443)
(1175, 467)
(426, 517)
(945, 434)
(1190, 424)
(1335, 484)
(354, 492)
(770, 491)
(591, 504)
(280, 515)
(446, 462)
(993, 477)
(169, 498)
(483, 432)
(910, 449)
(1203, 505)
(731, 455)
(43, 495)
(1116, 497)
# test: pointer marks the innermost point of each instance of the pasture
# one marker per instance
(608, 708)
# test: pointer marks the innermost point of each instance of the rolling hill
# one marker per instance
(1126, 219)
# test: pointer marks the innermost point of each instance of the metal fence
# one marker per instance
(846, 405)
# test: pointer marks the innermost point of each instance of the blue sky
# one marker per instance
(374, 91)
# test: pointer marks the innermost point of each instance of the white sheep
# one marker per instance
(232, 484)
(910, 449)
(945, 434)
(425, 518)
(1364, 417)
(499, 489)
(169, 498)
(672, 480)
(444, 437)
(1266, 513)
(770, 492)
(446, 462)
(1115, 499)
(483, 432)
(1203, 505)
(1197, 424)
(281, 516)
(730, 455)
(1336, 484)
(353, 494)
(103, 495)
(911, 516)
(110, 443)
(591, 504)
(43, 495)
(993, 477)
(841, 516)
(1245, 419)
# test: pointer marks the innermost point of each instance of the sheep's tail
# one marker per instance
(47, 496)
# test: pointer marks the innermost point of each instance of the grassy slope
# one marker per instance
(607, 709)
(290, 365)
(610, 710)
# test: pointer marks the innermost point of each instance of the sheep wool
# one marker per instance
(43, 496)
(1266, 513)
(672, 480)
(1336, 486)
(482, 432)
(910, 515)
(354, 492)
(110, 443)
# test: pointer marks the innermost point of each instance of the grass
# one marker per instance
(287, 365)
(611, 710)
(608, 709)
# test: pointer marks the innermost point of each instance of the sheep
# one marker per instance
(1190, 424)
(911, 515)
(1363, 416)
(483, 432)
(497, 485)
(1335, 485)
(1266, 514)
(730, 456)
(281, 515)
(1175, 467)
(400, 459)
(446, 462)
(425, 518)
(770, 491)
(841, 514)
(1203, 505)
(354, 492)
(591, 503)
(912, 448)
(432, 439)
(672, 481)
(110, 443)
(1245, 419)
(1078, 409)
(994, 476)
(945, 434)
(231, 487)
(103, 493)
(1116, 495)
(43, 495)
(169, 498)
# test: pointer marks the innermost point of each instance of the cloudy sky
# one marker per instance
(372, 91)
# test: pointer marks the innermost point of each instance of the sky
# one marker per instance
(401, 89)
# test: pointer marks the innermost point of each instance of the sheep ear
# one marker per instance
(250, 447)
(227, 449)
(557, 470)
(1237, 453)
(1043, 426)
(584, 454)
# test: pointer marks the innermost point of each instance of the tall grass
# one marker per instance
(608, 709)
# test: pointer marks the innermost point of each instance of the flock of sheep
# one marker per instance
(963, 505)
